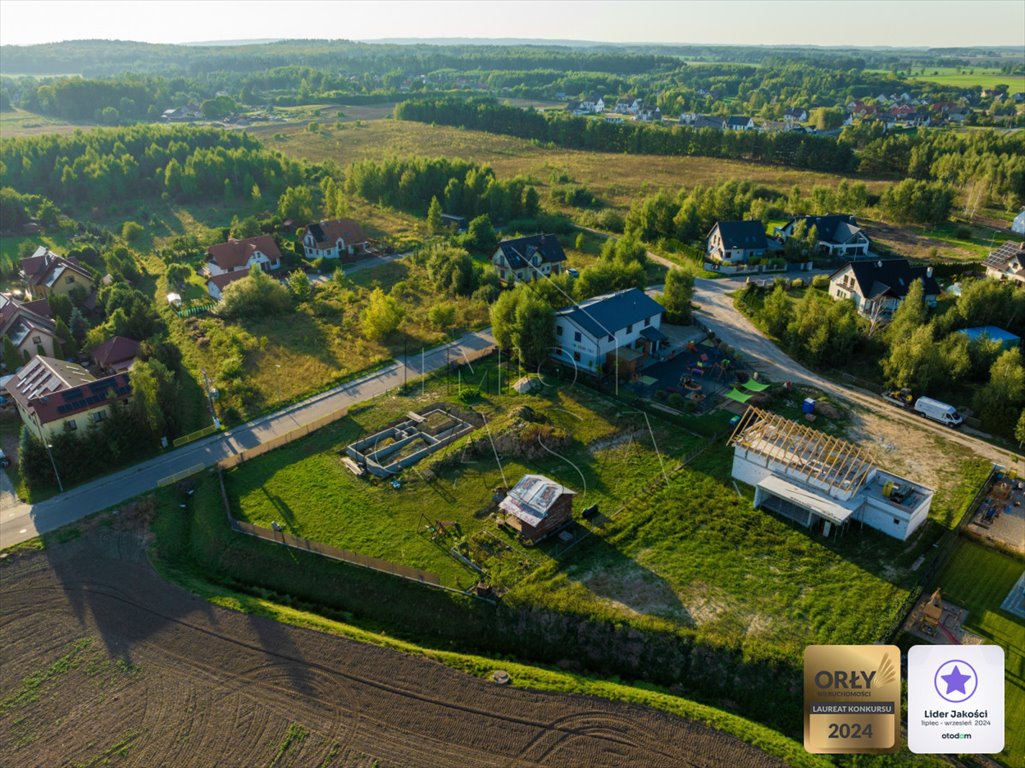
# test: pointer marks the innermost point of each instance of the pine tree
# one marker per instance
(435, 223)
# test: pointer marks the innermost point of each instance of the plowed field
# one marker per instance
(106, 663)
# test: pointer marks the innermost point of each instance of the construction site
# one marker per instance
(822, 482)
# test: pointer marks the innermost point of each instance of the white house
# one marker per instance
(739, 123)
(1018, 225)
(525, 259)
(215, 284)
(334, 239)
(878, 287)
(236, 255)
(795, 115)
(838, 234)
(1007, 262)
(736, 242)
(616, 333)
(822, 482)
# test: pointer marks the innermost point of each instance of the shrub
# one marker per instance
(797, 282)
(131, 231)
(820, 282)
(676, 400)
(661, 395)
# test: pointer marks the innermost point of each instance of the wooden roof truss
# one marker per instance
(840, 465)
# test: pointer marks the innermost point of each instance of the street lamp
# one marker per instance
(42, 436)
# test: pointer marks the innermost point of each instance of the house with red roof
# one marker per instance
(115, 354)
(53, 396)
(237, 255)
(334, 239)
(215, 284)
(46, 273)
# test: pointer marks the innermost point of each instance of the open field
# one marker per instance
(305, 487)
(948, 240)
(979, 579)
(18, 122)
(148, 674)
(616, 180)
(971, 77)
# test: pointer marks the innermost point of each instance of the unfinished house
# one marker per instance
(820, 481)
(537, 506)
(388, 452)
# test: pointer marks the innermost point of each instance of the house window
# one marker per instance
(576, 356)
(647, 322)
(630, 328)
(558, 330)
(611, 337)
(896, 521)
(577, 336)
(70, 425)
(37, 340)
(97, 416)
(71, 278)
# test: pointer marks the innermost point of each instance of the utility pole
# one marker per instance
(46, 444)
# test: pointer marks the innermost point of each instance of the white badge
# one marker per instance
(956, 699)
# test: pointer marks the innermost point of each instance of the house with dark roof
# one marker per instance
(215, 284)
(795, 114)
(878, 287)
(615, 333)
(28, 327)
(115, 354)
(525, 259)
(837, 234)
(237, 255)
(46, 273)
(696, 121)
(736, 242)
(739, 123)
(53, 396)
(537, 506)
(334, 239)
(1007, 262)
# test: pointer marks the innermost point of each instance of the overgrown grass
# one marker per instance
(978, 578)
(305, 487)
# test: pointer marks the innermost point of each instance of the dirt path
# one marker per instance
(103, 658)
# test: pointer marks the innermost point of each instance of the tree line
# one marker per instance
(461, 187)
(144, 161)
(564, 130)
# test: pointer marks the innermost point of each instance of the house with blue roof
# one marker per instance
(617, 333)
(525, 259)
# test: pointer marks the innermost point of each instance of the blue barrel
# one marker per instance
(808, 406)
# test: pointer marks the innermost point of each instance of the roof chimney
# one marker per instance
(928, 271)
(879, 264)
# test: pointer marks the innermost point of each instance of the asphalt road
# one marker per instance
(20, 522)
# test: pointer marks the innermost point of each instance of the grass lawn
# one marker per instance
(18, 122)
(958, 241)
(979, 579)
(305, 487)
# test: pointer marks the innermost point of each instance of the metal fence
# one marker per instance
(180, 441)
(276, 442)
(943, 550)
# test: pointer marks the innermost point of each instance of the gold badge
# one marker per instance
(851, 698)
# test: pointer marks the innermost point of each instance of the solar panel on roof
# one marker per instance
(72, 393)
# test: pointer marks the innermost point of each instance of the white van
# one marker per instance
(937, 411)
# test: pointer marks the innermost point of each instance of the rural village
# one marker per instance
(445, 378)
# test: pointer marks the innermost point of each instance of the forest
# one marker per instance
(795, 150)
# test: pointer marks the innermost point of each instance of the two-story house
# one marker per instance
(738, 123)
(28, 327)
(53, 396)
(45, 274)
(878, 287)
(617, 333)
(1007, 262)
(525, 259)
(836, 234)
(334, 239)
(736, 242)
(237, 255)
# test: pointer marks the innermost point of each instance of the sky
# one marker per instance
(943, 23)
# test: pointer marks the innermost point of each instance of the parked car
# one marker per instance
(938, 411)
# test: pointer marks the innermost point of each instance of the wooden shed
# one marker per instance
(537, 506)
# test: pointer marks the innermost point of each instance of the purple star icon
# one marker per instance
(960, 685)
(956, 680)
